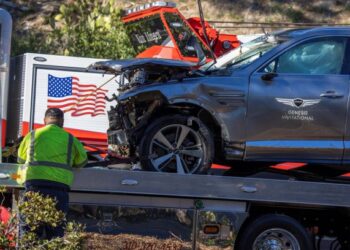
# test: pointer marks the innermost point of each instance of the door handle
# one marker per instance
(331, 94)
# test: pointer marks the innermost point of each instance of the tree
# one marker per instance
(90, 28)
(87, 28)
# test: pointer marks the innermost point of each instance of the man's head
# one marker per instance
(54, 116)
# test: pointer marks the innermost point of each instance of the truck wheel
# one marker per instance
(177, 144)
(277, 232)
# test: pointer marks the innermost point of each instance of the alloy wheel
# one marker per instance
(176, 148)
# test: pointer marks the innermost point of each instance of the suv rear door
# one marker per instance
(300, 113)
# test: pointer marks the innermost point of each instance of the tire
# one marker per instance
(177, 144)
(274, 232)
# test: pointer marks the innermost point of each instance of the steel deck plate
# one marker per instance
(97, 180)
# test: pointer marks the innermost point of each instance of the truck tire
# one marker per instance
(274, 231)
(177, 144)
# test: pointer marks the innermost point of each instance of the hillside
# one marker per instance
(312, 11)
(31, 24)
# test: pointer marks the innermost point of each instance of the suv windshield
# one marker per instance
(244, 54)
(251, 55)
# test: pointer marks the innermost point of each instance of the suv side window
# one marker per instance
(314, 57)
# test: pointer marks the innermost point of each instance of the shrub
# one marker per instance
(92, 29)
(37, 210)
(87, 28)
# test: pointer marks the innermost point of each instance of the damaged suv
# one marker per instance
(281, 97)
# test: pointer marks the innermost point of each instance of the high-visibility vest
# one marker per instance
(50, 153)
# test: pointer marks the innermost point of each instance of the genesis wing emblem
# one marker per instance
(298, 102)
(310, 102)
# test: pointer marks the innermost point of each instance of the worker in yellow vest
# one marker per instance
(48, 155)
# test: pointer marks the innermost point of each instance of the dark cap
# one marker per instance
(54, 113)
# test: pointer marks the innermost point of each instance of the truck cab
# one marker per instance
(159, 30)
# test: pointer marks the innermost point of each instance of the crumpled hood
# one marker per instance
(119, 66)
(141, 71)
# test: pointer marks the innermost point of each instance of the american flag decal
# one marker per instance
(69, 95)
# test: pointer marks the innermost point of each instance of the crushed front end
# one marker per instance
(126, 123)
(129, 118)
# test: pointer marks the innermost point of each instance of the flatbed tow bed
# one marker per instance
(320, 207)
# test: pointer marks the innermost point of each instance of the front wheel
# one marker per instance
(274, 232)
(177, 144)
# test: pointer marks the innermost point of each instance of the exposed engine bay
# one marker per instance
(134, 72)
(129, 117)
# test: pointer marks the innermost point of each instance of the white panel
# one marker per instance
(73, 67)
(97, 123)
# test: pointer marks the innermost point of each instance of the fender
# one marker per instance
(170, 96)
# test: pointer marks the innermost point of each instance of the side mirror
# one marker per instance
(193, 45)
(268, 76)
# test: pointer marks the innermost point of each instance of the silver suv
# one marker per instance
(281, 97)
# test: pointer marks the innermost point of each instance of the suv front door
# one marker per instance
(299, 114)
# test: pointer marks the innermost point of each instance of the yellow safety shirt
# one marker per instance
(50, 153)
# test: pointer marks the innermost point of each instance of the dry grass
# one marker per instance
(96, 241)
(130, 242)
(270, 11)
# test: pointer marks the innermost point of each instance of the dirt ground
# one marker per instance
(96, 241)
(130, 242)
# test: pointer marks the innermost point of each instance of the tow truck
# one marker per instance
(254, 211)
(165, 33)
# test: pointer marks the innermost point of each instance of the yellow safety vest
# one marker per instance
(49, 153)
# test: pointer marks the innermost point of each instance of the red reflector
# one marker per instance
(346, 175)
(211, 229)
(289, 165)
(217, 166)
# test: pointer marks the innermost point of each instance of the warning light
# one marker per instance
(15, 176)
(211, 229)
(150, 5)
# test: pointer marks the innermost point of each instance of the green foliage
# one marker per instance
(38, 210)
(90, 28)
(47, 214)
(87, 28)
(30, 41)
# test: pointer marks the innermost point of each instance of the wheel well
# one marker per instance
(200, 113)
(316, 220)
(154, 105)
(283, 228)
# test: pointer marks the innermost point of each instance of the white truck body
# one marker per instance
(29, 96)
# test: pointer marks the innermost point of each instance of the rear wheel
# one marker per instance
(274, 232)
(177, 144)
